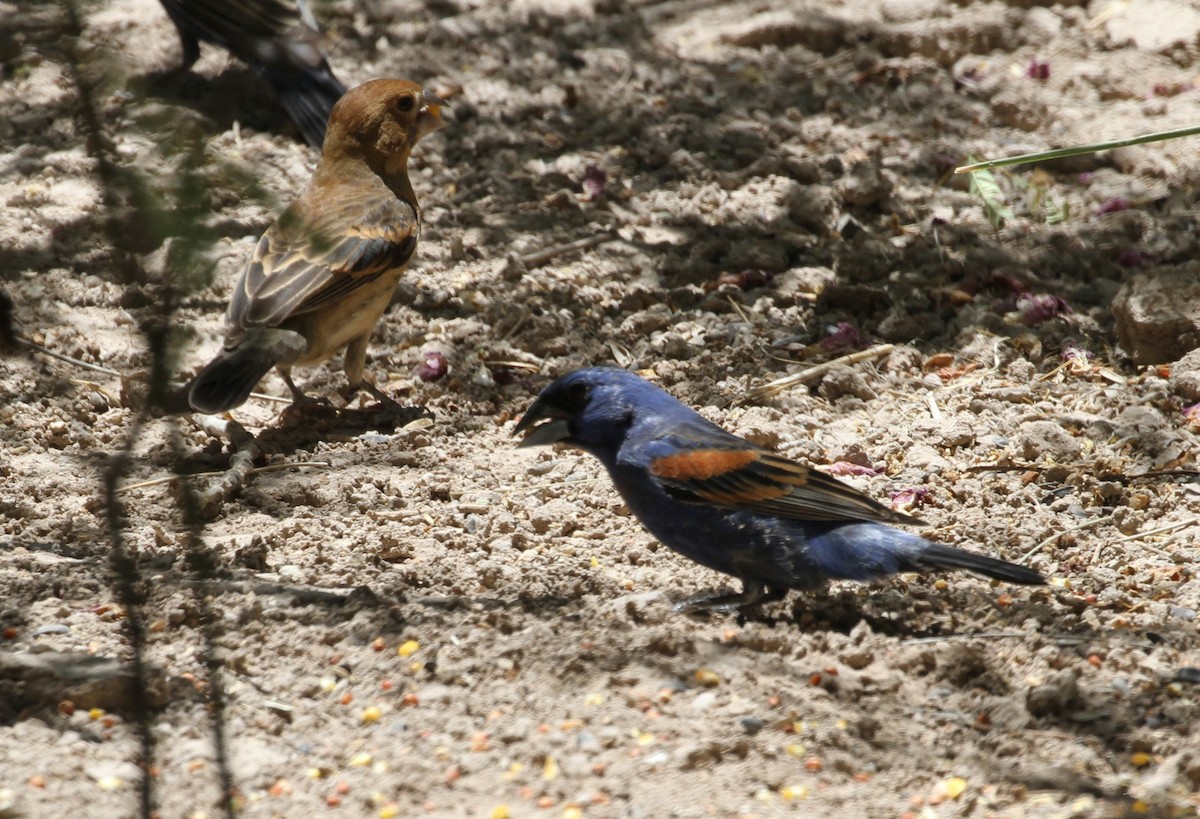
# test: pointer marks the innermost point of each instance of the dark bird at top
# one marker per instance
(279, 39)
(730, 505)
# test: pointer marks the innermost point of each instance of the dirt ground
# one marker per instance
(423, 620)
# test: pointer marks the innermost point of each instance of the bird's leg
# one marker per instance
(359, 379)
(298, 396)
(751, 594)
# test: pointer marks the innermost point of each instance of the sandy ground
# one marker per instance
(427, 621)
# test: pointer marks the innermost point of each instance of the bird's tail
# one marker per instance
(867, 550)
(308, 96)
(938, 556)
(228, 380)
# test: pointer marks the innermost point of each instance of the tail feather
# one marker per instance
(228, 381)
(308, 97)
(938, 556)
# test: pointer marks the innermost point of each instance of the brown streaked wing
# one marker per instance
(299, 266)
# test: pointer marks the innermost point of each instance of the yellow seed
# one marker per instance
(109, 783)
(707, 678)
(572, 812)
(371, 714)
(790, 792)
(1139, 806)
(595, 563)
(95, 713)
(500, 812)
(549, 769)
(360, 760)
(389, 811)
(1140, 759)
(594, 699)
(408, 648)
(795, 749)
(415, 667)
(954, 787)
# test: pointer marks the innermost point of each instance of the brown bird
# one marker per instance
(324, 272)
(279, 39)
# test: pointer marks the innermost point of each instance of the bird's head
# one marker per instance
(592, 409)
(382, 120)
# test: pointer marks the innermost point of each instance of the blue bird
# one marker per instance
(730, 505)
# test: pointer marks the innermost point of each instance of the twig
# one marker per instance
(934, 412)
(543, 256)
(1162, 530)
(777, 386)
(258, 470)
(47, 351)
(986, 635)
(241, 463)
(1057, 535)
(117, 374)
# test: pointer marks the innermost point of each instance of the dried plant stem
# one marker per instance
(773, 388)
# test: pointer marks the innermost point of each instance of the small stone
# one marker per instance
(751, 725)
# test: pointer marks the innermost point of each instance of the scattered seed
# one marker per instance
(371, 713)
(408, 648)
(707, 678)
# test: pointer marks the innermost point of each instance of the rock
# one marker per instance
(1154, 25)
(1046, 438)
(90, 682)
(1158, 316)
(792, 285)
(1185, 376)
(845, 380)
(751, 725)
(1056, 696)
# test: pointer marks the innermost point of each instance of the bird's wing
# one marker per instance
(303, 264)
(702, 465)
(228, 21)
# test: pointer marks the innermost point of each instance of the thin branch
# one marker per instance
(258, 470)
(542, 256)
(773, 388)
(1091, 523)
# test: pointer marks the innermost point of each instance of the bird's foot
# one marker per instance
(726, 601)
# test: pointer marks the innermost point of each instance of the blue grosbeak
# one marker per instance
(324, 272)
(279, 39)
(728, 504)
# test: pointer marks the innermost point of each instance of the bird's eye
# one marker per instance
(577, 395)
(406, 103)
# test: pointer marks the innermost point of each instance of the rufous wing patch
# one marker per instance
(701, 464)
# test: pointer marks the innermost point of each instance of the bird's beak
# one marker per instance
(430, 118)
(545, 424)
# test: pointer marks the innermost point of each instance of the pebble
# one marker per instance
(751, 725)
